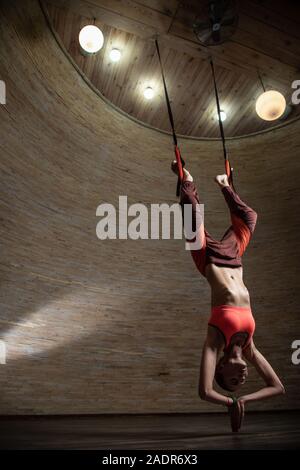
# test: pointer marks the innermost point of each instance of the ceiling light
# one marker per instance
(115, 55)
(270, 105)
(223, 115)
(90, 39)
(148, 93)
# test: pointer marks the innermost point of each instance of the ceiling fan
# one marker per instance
(216, 22)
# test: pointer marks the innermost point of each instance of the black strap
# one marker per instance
(219, 110)
(227, 164)
(167, 96)
(171, 119)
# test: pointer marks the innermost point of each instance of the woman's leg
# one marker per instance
(242, 216)
(197, 244)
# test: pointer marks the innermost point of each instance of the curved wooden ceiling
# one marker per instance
(267, 40)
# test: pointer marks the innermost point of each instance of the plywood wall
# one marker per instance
(117, 326)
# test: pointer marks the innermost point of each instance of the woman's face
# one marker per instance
(234, 372)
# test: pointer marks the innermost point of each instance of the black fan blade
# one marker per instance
(229, 22)
(216, 35)
(216, 10)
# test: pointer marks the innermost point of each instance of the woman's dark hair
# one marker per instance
(219, 378)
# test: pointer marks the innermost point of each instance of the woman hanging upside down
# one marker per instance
(231, 326)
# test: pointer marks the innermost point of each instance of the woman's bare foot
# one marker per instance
(186, 175)
(222, 180)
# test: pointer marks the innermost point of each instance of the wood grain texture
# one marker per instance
(117, 326)
(265, 41)
(267, 430)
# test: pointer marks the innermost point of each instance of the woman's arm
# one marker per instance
(273, 384)
(207, 372)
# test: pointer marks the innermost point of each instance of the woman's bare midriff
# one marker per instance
(227, 286)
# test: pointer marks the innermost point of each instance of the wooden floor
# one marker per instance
(265, 430)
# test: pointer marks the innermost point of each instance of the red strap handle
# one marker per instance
(229, 174)
(179, 163)
(227, 169)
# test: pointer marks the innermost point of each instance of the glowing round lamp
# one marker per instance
(270, 105)
(148, 93)
(90, 39)
(223, 116)
(115, 55)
